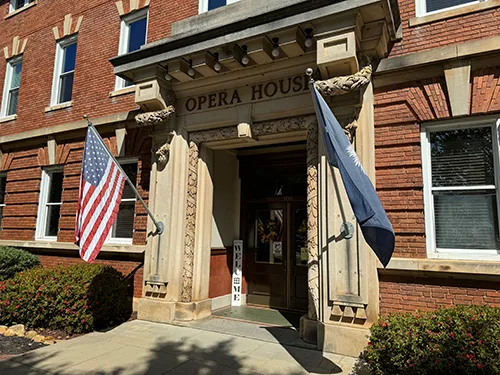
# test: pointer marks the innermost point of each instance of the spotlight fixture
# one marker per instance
(276, 47)
(245, 60)
(191, 71)
(168, 77)
(217, 65)
(309, 38)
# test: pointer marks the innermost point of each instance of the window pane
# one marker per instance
(16, 75)
(462, 157)
(433, 5)
(69, 58)
(131, 171)
(269, 236)
(66, 88)
(55, 187)
(52, 224)
(12, 102)
(466, 220)
(300, 234)
(124, 224)
(137, 36)
(18, 4)
(212, 4)
(3, 183)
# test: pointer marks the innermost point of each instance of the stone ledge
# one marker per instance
(489, 268)
(439, 55)
(472, 8)
(8, 118)
(123, 91)
(70, 126)
(57, 107)
(26, 7)
(131, 249)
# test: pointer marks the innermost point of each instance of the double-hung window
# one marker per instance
(49, 207)
(133, 33)
(433, 6)
(64, 71)
(123, 227)
(206, 5)
(11, 87)
(18, 4)
(461, 174)
(3, 185)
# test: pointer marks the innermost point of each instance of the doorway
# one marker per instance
(274, 228)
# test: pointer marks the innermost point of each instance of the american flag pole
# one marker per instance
(159, 225)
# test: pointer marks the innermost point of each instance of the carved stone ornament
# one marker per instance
(162, 151)
(345, 84)
(156, 117)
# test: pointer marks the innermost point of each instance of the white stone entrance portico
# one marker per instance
(207, 89)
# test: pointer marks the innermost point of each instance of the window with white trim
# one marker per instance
(461, 174)
(123, 227)
(133, 34)
(425, 7)
(3, 185)
(11, 87)
(206, 5)
(64, 71)
(18, 4)
(49, 208)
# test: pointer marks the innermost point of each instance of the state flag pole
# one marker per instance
(160, 227)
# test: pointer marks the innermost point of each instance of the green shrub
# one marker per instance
(14, 260)
(77, 299)
(460, 340)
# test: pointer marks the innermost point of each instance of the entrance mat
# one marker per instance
(261, 315)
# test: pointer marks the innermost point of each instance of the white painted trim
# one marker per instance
(430, 230)
(41, 220)
(125, 36)
(6, 87)
(472, 267)
(203, 5)
(12, 4)
(70, 246)
(421, 7)
(58, 66)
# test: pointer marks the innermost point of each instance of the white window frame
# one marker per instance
(2, 205)
(120, 240)
(203, 5)
(430, 228)
(125, 37)
(58, 67)
(421, 7)
(12, 5)
(8, 81)
(41, 222)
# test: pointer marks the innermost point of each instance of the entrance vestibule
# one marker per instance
(274, 227)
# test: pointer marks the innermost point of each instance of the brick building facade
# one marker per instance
(434, 73)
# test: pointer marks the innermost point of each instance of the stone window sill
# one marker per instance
(26, 7)
(54, 245)
(472, 267)
(124, 91)
(484, 5)
(8, 118)
(58, 106)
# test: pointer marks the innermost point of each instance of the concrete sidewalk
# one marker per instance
(140, 347)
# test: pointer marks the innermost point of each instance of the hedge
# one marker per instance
(76, 299)
(14, 260)
(461, 340)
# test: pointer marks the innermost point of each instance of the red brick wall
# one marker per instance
(98, 40)
(131, 268)
(449, 31)
(24, 169)
(407, 293)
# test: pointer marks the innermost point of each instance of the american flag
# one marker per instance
(101, 187)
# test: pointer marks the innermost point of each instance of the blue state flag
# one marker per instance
(370, 213)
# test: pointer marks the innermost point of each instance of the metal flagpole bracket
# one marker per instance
(347, 230)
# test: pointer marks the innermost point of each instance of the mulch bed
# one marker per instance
(17, 345)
